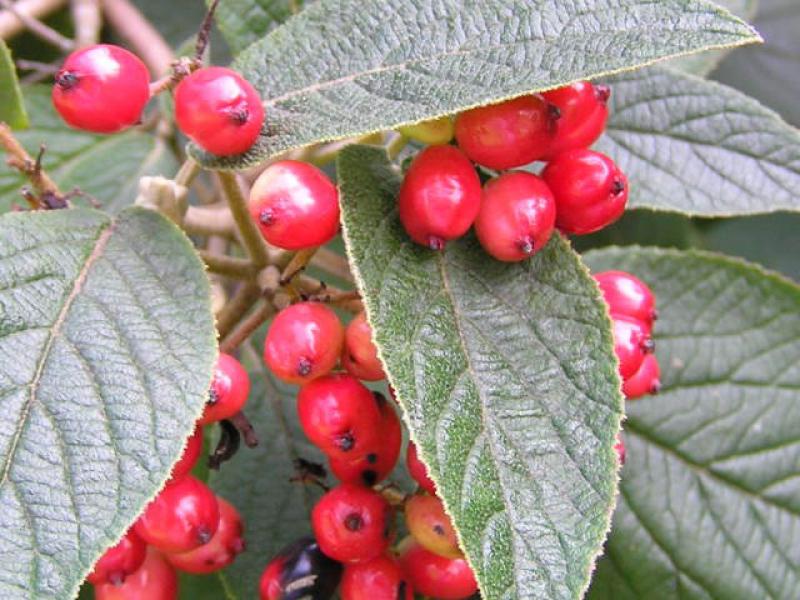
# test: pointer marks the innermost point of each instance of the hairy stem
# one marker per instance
(235, 268)
(251, 237)
(209, 221)
(246, 327)
(238, 306)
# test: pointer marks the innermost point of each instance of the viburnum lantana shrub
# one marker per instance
(311, 323)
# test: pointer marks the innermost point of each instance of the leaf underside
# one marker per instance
(244, 22)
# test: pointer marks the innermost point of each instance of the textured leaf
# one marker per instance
(12, 109)
(107, 168)
(108, 344)
(244, 22)
(700, 148)
(275, 510)
(349, 67)
(710, 495)
(508, 382)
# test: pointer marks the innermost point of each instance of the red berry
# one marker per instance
(440, 196)
(583, 112)
(119, 561)
(219, 110)
(187, 461)
(184, 516)
(632, 342)
(101, 88)
(627, 295)
(418, 471)
(295, 205)
(645, 380)
(431, 527)
(300, 571)
(221, 551)
(517, 216)
(304, 342)
(340, 416)
(377, 462)
(509, 134)
(619, 447)
(589, 189)
(352, 523)
(229, 390)
(377, 579)
(437, 576)
(359, 355)
(155, 579)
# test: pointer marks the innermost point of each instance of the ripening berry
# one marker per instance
(627, 295)
(431, 527)
(632, 342)
(300, 571)
(295, 205)
(304, 342)
(119, 561)
(590, 190)
(509, 134)
(432, 133)
(440, 196)
(340, 416)
(229, 390)
(101, 88)
(583, 112)
(378, 579)
(218, 553)
(155, 579)
(517, 216)
(359, 355)
(352, 523)
(219, 110)
(417, 470)
(437, 576)
(184, 516)
(187, 461)
(645, 381)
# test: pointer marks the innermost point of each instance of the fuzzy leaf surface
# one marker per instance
(244, 22)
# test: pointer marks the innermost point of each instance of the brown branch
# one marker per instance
(246, 327)
(230, 266)
(200, 220)
(139, 33)
(241, 302)
(245, 428)
(19, 159)
(88, 21)
(11, 25)
(252, 239)
(39, 29)
(333, 264)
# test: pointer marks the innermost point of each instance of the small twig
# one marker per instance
(11, 24)
(332, 263)
(136, 30)
(209, 221)
(318, 291)
(251, 237)
(34, 65)
(246, 327)
(39, 29)
(179, 69)
(204, 32)
(230, 266)
(227, 446)
(189, 170)
(238, 306)
(245, 428)
(296, 265)
(88, 21)
(19, 159)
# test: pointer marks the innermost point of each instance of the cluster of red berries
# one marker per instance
(105, 88)
(186, 526)
(515, 213)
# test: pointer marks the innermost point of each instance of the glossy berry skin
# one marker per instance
(359, 355)
(517, 216)
(304, 342)
(590, 191)
(418, 471)
(340, 416)
(221, 551)
(378, 579)
(437, 576)
(440, 196)
(583, 112)
(295, 205)
(190, 456)
(229, 390)
(627, 295)
(432, 133)
(632, 342)
(619, 448)
(300, 571)
(155, 579)
(377, 462)
(352, 523)
(219, 110)
(101, 88)
(645, 381)
(184, 516)
(430, 526)
(509, 134)
(119, 561)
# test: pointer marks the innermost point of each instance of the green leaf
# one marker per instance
(275, 510)
(508, 382)
(704, 62)
(108, 345)
(12, 110)
(244, 22)
(106, 168)
(348, 67)
(710, 494)
(203, 587)
(696, 147)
